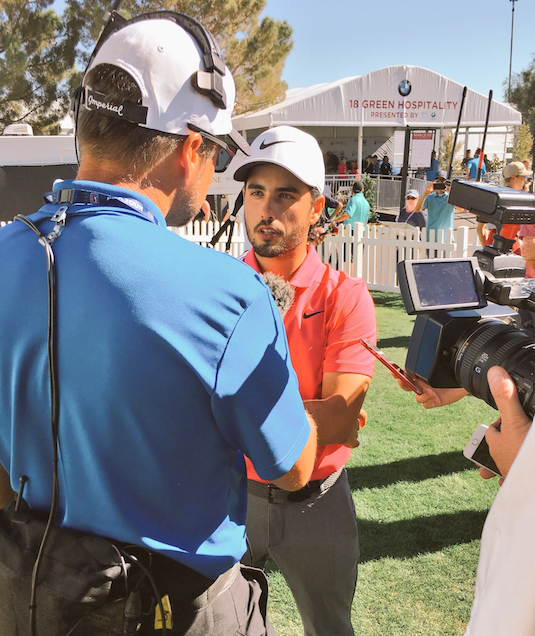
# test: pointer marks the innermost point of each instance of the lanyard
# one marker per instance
(68, 197)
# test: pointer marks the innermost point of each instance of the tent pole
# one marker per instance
(359, 151)
(405, 167)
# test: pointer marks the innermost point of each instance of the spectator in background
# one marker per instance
(432, 172)
(408, 214)
(385, 168)
(515, 176)
(353, 167)
(368, 166)
(466, 159)
(331, 162)
(440, 213)
(376, 164)
(342, 166)
(529, 181)
(358, 208)
(473, 165)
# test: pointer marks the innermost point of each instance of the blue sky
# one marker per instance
(466, 40)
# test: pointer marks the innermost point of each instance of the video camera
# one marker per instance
(465, 323)
(499, 205)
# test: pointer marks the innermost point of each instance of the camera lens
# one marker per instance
(490, 343)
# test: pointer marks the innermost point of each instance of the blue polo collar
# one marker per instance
(92, 197)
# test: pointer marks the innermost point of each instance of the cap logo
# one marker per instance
(95, 104)
(129, 111)
(264, 145)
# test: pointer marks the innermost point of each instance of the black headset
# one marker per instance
(208, 82)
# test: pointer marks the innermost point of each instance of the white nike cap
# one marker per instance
(287, 147)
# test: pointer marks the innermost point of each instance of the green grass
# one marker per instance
(420, 506)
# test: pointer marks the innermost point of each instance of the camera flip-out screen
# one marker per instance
(440, 283)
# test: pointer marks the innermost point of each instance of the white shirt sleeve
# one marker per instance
(504, 604)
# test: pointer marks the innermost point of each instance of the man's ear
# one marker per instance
(317, 208)
(188, 156)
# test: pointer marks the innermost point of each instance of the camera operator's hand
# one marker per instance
(433, 398)
(507, 434)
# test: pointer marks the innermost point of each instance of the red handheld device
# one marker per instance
(392, 366)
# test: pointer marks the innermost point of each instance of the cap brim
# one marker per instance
(242, 172)
(237, 141)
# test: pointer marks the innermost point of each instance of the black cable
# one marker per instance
(155, 589)
(54, 427)
(54, 407)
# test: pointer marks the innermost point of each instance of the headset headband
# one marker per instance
(208, 82)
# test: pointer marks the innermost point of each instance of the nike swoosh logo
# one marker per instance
(264, 145)
(305, 315)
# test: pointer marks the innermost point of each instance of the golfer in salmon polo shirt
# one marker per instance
(311, 534)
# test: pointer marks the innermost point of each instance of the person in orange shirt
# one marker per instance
(311, 534)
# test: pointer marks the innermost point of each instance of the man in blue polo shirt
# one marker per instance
(172, 359)
(472, 166)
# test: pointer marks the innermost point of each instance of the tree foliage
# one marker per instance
(369, 194)
(523, 143)
(522, 94)
(446, 146)
(37, 54)
(254, 50)
(39, 49)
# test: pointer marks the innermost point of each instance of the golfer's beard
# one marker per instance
(283, 244)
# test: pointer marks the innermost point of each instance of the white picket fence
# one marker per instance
(368, 251)
(202, 233)
(371, 252)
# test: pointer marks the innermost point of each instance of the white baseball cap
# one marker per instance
(180, 92)
(287, 147)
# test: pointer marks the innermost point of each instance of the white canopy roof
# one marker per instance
(396, 96)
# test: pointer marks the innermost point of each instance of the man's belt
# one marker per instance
(278, 496)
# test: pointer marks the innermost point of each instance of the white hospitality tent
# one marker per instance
(366, 110)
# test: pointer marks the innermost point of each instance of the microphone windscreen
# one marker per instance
(283, 293)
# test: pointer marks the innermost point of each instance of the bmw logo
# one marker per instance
(404, 88)
(433, 114)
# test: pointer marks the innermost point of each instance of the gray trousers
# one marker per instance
(315, 545)
(234, 605)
